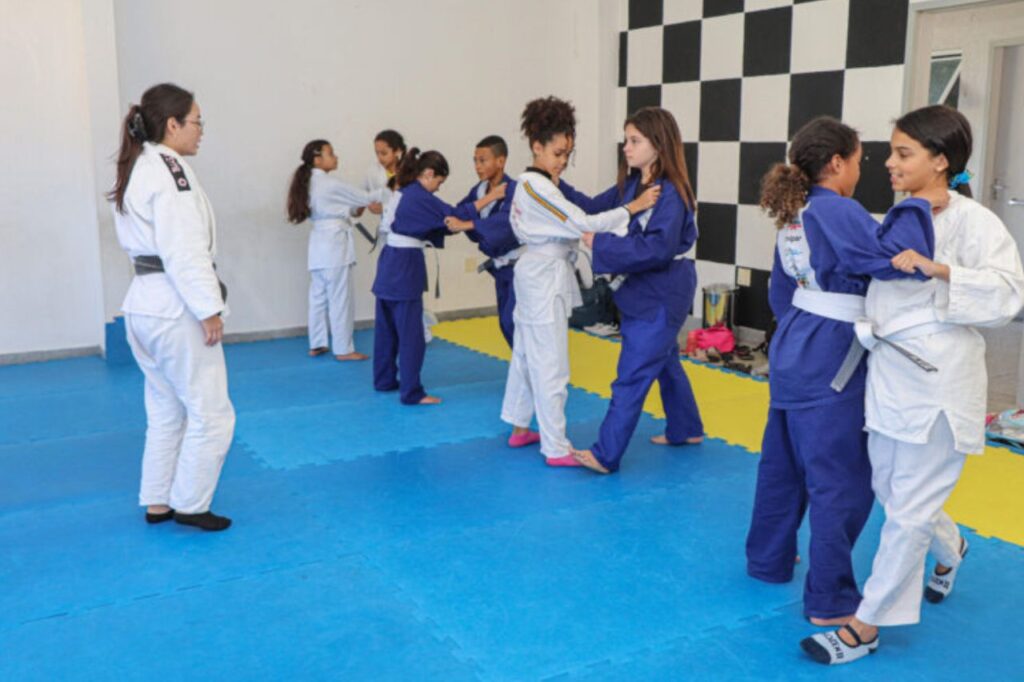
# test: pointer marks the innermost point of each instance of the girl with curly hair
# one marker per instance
(545, 286)
(922, 425)
(814, 452)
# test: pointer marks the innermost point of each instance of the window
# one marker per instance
(944, 85)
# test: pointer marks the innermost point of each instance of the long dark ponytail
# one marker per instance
(147, 122)
(298, 193)
(414, 163)
(942, 130)
(784, 187)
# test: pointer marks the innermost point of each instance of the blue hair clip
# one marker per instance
(960, 179)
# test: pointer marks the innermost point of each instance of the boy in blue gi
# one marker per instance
(492, 231)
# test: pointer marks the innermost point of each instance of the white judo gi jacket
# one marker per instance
(550, 226)
(546, 292)
(167, 214)
(985, 289)
(331, 203)
(376, 182)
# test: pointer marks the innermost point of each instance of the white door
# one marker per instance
(1005, 192)
(988, 37)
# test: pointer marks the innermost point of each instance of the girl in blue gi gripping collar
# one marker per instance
(655, 296)
(814, 452)
(546, 220)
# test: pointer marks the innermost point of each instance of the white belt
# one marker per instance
(331, 224)
(840, 307)
(910, 326)
(906, 327)
(512, 255)
(618, 280)
(915, 323)
(563, 250)
(400, 241)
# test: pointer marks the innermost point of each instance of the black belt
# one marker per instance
(372, 238)
(149, 265)
(488, 266)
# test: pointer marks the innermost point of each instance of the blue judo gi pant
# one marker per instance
(506, 295)
(816, 457)
(650, 351)
(398, 335)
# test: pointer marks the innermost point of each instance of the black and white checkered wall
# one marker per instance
(741, 76)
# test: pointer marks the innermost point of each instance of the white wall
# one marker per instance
(269, 77)
(105, 114)
(49, 252)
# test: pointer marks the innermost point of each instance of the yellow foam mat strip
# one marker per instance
(989, 497)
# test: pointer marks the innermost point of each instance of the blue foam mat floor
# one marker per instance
(374, 541)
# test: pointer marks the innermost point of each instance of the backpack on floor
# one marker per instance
(598, 303)
(598, 306)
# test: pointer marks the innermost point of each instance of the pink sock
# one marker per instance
(518, 440)
(563, 461)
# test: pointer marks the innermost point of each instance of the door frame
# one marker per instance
(984, 143)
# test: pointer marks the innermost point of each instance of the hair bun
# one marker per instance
(136, 124)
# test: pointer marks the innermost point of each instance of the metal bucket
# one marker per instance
(720, 305)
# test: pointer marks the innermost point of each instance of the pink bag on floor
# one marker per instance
(718, 337)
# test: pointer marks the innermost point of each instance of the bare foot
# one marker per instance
(662, 440)
(867, 633)
(830, 622)
(797, 560)
(351, 356)
(313, 352)
(942, 570)
(587, 459)
(520, 430)
(430, 400)
(158, 509)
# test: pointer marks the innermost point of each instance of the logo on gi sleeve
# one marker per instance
(177, 172)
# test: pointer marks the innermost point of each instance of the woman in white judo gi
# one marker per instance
(926, 413)
(173, 308)
(330, 203)
(545, 285)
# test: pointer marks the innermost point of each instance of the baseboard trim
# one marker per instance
(47, 355)
(291, 332)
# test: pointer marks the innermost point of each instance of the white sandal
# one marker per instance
(939, 586)
(830, 649)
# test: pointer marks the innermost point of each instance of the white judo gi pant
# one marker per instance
(912, 483)
(538, 380)
(331, 307)
(189, 418)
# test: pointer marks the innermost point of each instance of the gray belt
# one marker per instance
(151, 265)
(148, 265)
